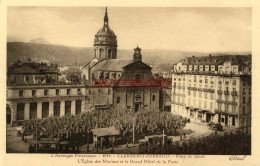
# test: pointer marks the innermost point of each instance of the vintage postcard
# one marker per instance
(110, 84)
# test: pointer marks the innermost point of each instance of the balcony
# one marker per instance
(234, 93)
(226, 92)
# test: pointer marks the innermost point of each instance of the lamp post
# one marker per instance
(134, 131)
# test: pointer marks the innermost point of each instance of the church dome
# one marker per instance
(105, 36)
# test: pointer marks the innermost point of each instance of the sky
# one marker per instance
(186, 29)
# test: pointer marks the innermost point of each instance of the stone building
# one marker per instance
(43, 100)
(134, 95)
(32, 73)
(213, 89)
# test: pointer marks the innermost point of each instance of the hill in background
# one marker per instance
(39, 50)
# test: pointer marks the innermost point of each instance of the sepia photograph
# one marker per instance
(129, 80)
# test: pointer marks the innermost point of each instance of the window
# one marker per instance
(189, 93)
(137, 77)
(211, 96)
(84, 77)
(194, 79)
(33, 92)
(79, 91)
(57, 92)
(219, 96)
(194, 94)
(99, 90)
(20, 93)
(26, 78)
(107, 75)
(206, 95)
(234, 81)
(219, 106)
(189, 101)
(199, 103)
(200, 94)
(249, 101)
(233, 121)
(211, 105)
(244, 100)
(205, 104)
(68, 91)
(226, 97)
(244, 90)
(226, 107)
(249, 90)
(233, 109)
(109, 91)
(234, 98)
(45, 92)
(226, 89)
(206, 80)
(118, 100)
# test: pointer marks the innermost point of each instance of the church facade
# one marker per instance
(106, 65)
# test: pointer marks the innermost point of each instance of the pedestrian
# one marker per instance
(184, 135)
(127, 146)
(112, 150)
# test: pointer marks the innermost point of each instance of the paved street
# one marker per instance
(16, 145)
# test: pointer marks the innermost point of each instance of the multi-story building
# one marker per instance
(32, 73)
(43, 98)
(213, 89)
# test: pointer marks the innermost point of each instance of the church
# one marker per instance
(107, 65)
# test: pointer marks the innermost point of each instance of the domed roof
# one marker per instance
(105, 35)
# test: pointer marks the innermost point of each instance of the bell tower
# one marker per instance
(105, 43)
(137, 54)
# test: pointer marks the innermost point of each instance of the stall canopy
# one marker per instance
(101, 132)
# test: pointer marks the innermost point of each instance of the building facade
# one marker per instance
(213, 89)
(55, 99)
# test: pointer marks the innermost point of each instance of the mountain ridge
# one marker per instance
(64, 55)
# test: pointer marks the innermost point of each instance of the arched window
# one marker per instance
(109, 53)
(100, 52)
(118, 100)
(84, 77)
(153, 97)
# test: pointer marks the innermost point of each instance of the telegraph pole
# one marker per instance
(134, 132)
(36, 138)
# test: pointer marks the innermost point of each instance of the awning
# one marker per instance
(101, 132)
